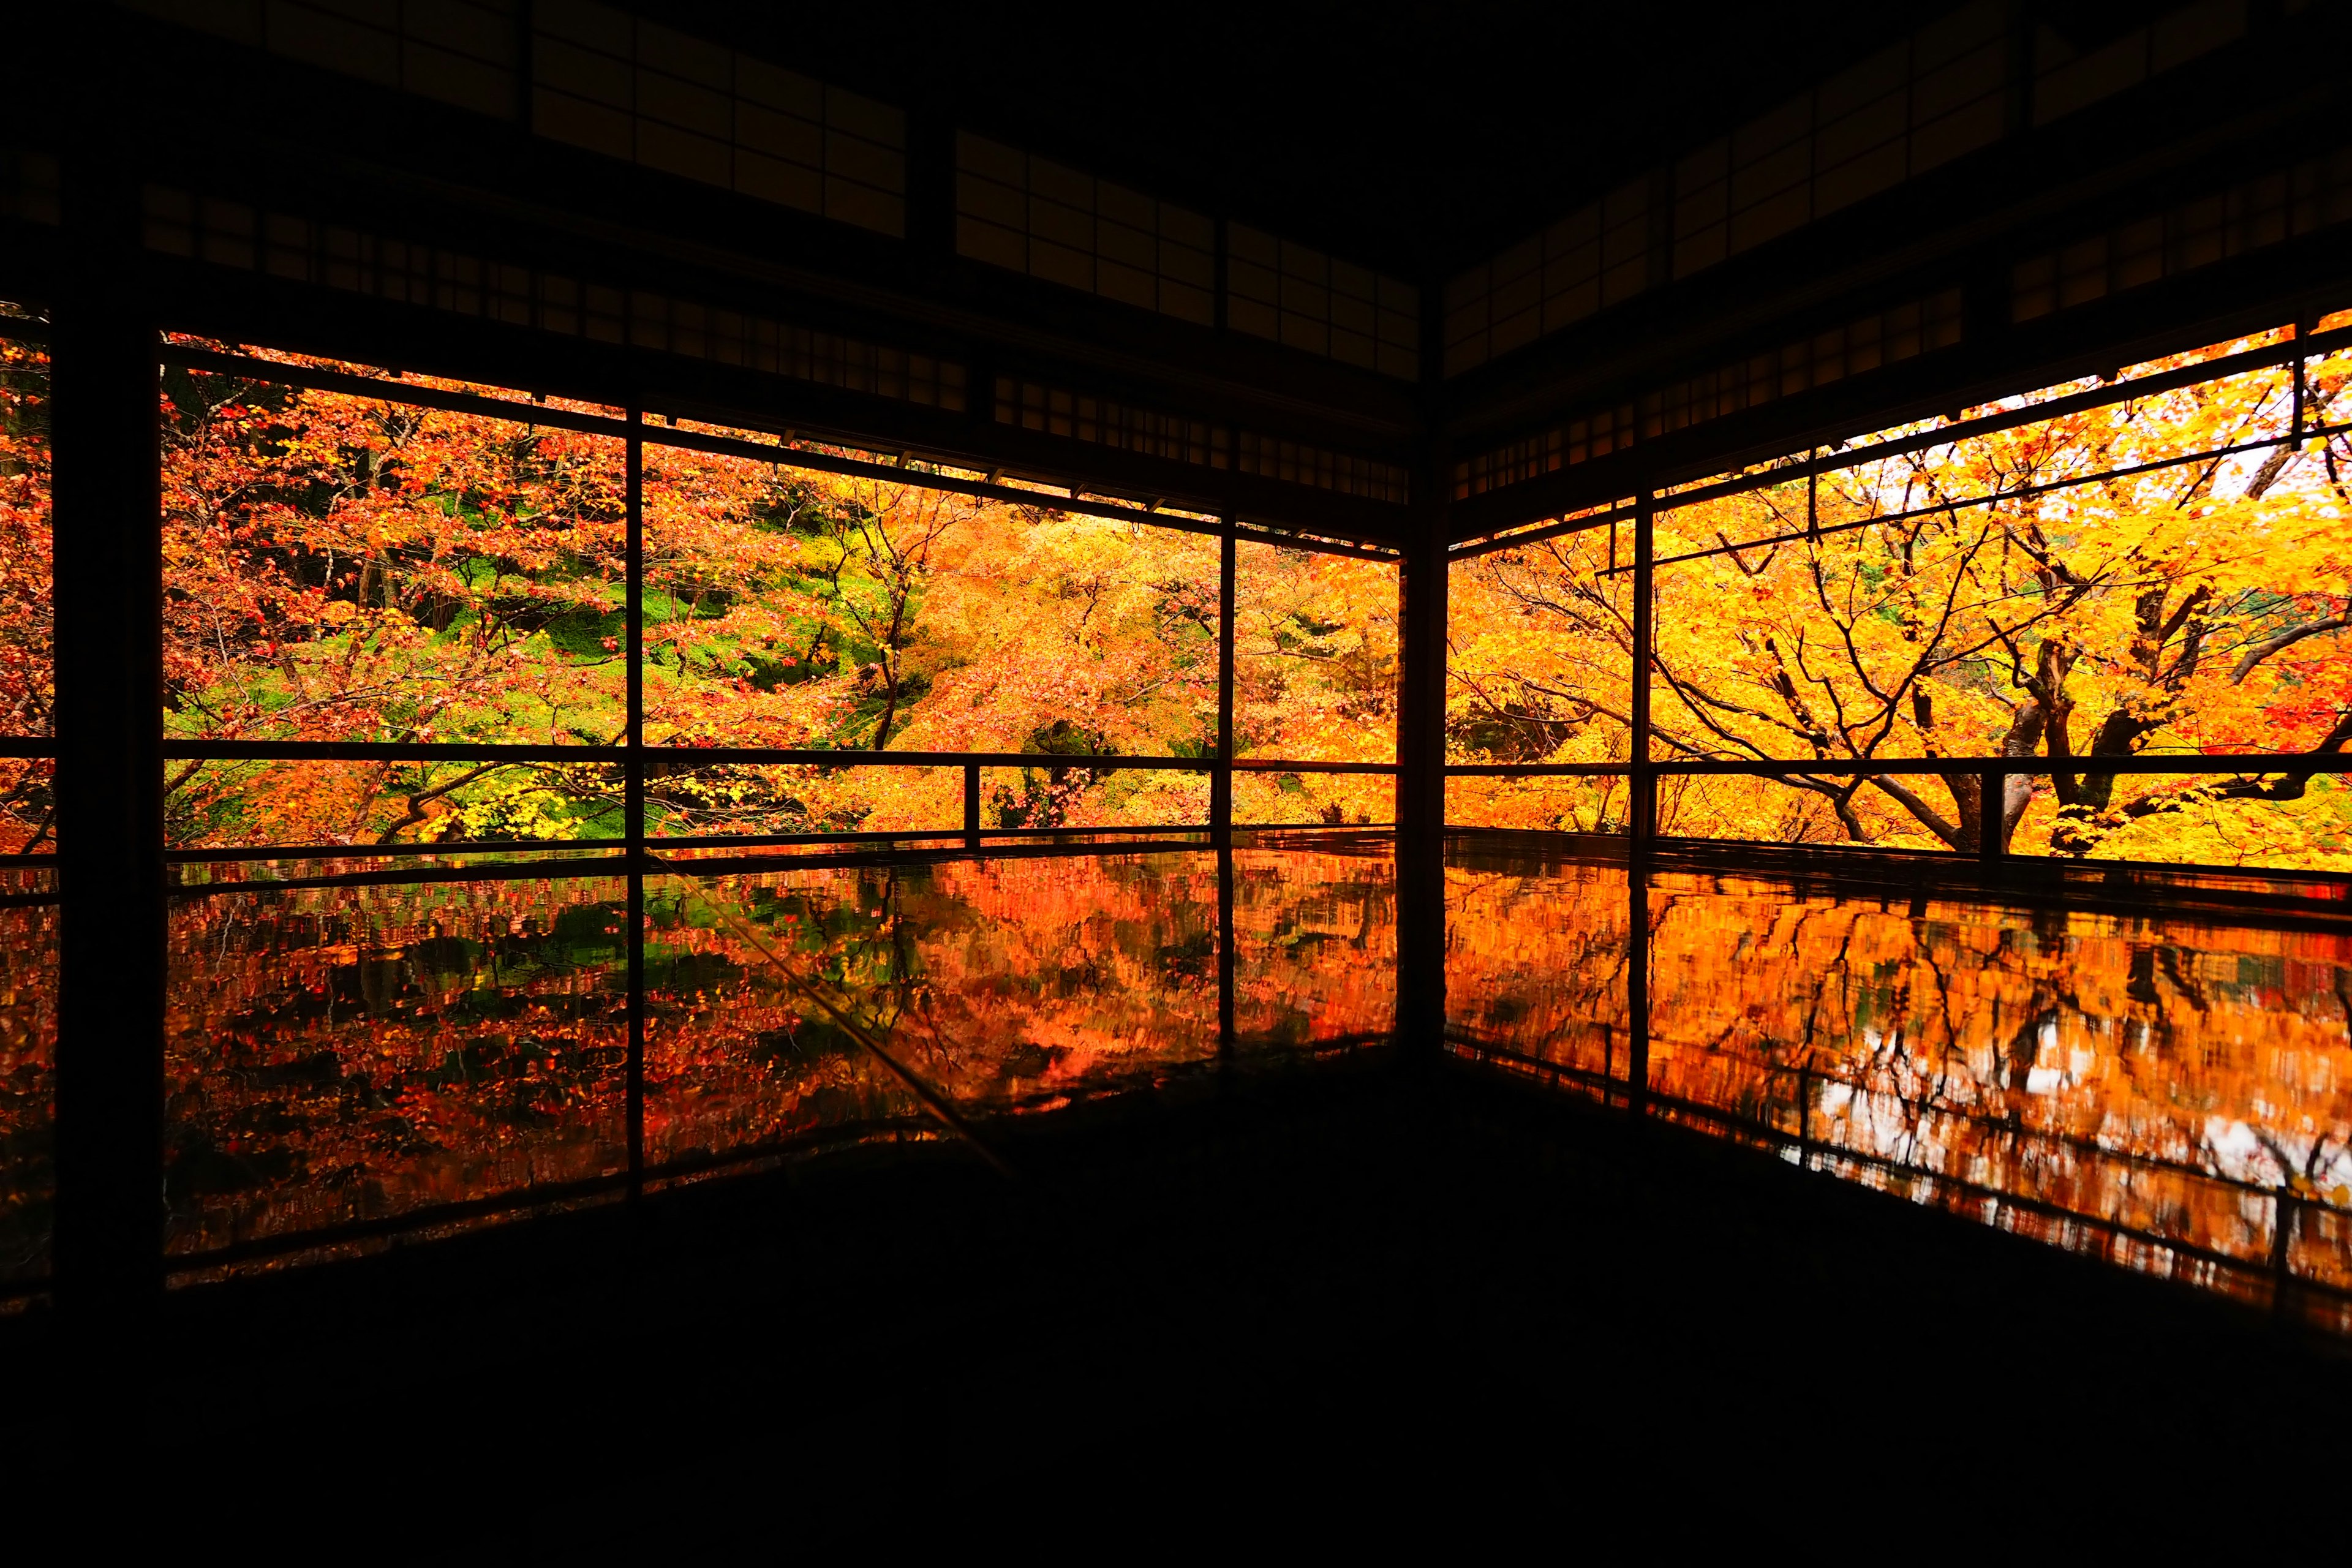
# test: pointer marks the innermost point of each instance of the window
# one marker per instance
(2314, 194)
(1294, 295)
(2099, 619)
(1882, 338)
(1055, 411)
(1295, 462)
(1936, 96)
(1033, 215)
(297, 249)
(2069, 75)
(1593, 257)
(461, 52)
(28, 912)
(437, 654)
(637, 91)
(1315, 700)
(1893, 117)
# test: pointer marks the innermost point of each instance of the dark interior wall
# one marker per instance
(1318, 106)
(2225, 180)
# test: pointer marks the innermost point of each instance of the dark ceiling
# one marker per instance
(1415, 136)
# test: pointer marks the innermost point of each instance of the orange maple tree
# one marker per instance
(2070, 588)
(343, 567)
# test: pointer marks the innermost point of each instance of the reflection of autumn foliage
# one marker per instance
(2164, 1077)
(1315, 943)
(1006, 985)
(28, 1046)
(345, 1054)
(1535, 959)
(356, 1053)
(2190, 609)
(26, 684)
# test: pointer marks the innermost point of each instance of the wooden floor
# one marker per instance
(1391, 1276)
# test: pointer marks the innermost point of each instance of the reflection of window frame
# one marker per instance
(637, 856)
(30, 332)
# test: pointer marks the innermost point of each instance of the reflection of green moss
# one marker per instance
(1289, 1027)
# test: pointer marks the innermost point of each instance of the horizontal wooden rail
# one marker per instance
(1768, 767)
(674, 757)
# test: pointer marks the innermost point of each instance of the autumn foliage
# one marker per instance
(351, 568)
(2178, 1082)
(358, 568)
(2065, 589)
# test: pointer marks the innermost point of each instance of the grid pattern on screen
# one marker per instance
(1594, 257)
(1036, 216)
(1938, 95)
(233, 234)
(637, 91)
(1887, 337)
(2067, 79)
(1080, 416)
(1297, 463)
(1106, 422)
(603, 79)
(1295, 295)
(28, 187)
(461, 52)
(2314, 194)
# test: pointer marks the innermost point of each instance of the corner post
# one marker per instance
(109, 588)
(1421, 782)
(1992, 814)
(633, 787)
(1642, 829)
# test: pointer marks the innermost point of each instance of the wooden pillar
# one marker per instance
(1220, 790)
(632, 788)
(109, 640)
(1992, 792)
(1642, 829)
(1642, 826)
(1220, 780)
(1421, 786)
